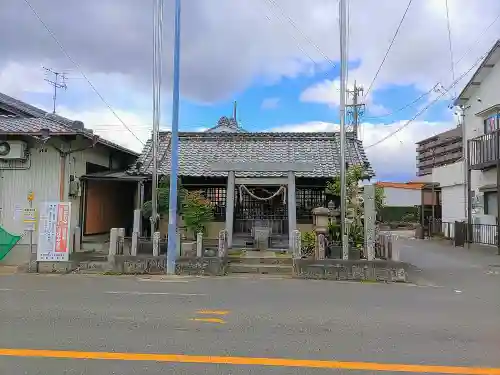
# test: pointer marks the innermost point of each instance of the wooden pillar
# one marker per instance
(292, 209)
(230, 207)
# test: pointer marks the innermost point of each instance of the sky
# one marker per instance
(279, 59)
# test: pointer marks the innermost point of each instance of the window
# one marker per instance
(490, 203)
(216, 195)
(307, 200)
(491, 123)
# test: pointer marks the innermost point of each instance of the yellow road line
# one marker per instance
(212, 312)
(250, 361)
(209, 320)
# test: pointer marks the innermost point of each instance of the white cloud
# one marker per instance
(220, 57)
(270, 103)
(17, 78)
(391, 158)
(328, 92)
(107, 126)
(324, 92)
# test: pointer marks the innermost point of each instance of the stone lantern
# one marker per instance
(321, 217)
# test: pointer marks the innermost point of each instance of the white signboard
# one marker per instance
(29, 219)
(54, 232)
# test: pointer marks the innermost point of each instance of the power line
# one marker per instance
(388, 49)
(478, 38)
(308, 39)
(485, 30)
(403, 107)
(450, 43)
(428, 106)
(78, 67)
(299, 46)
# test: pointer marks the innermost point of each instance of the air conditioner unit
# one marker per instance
(12, 150)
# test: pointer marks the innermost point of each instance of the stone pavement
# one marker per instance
(438, 263)
(264, 326)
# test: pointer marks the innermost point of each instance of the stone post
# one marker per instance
(223, 244)
(321, 247)
(320, 220)
(370, 214)
(292, 209)
(395, 252)
(137, 221)
(77, 244)
(156, 244)
(383, 246)
(389, 247)
(199, 245)
(135, 243)
(297, 244)
(113, 244)
(230, 207)
(121, 241)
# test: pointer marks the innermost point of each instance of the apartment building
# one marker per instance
(439, 150)
(480, 100)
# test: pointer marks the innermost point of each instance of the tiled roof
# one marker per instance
(226, 124)
(21, 106)
(16, 125)
(199, 152)
(33, 120)
(401, 185)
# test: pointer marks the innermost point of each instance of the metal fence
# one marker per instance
(485, 234)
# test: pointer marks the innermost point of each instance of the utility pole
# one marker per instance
(356, 109)
(157, 60)
(343, 79)
(174, 144)
(58, 82)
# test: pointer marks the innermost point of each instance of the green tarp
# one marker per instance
(7, 242)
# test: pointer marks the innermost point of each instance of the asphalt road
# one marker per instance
(250, 326)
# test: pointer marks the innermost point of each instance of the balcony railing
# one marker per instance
(484, 151)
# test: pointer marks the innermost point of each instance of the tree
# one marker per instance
(354, 175)
(163, 199)
(197, 212)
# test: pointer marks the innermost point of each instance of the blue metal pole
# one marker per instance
(174, 146)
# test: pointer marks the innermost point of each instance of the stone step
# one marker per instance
(88, 256)
(92, 267)
(268, 269)
(94, 246)
(261, 260)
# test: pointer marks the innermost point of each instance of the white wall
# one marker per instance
(451, 179)
(43, 178)
(489, 93)
(396, 197)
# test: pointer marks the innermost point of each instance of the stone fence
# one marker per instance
(192, 257)
(382, 263)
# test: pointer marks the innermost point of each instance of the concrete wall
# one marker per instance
(395, 197)
(43, 178)
(489, 94)
(453, 200)
(213, 228)
(305, 227)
